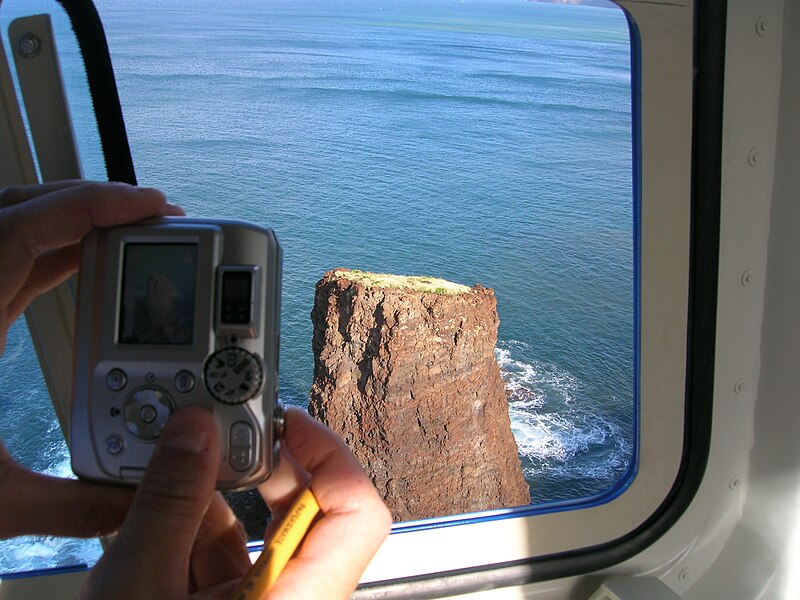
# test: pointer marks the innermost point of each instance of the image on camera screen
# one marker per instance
(158, 294)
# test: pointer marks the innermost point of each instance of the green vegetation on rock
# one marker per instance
(417, 283)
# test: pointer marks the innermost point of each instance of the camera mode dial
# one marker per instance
(233, 375)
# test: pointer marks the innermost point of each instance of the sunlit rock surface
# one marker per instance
(405, 372)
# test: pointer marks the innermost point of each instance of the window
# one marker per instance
(40, 446)
(488, 142)
(493, 142)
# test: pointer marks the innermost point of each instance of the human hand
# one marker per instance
(355, 519)
(40, 230)
(181, 540)
(41, 227)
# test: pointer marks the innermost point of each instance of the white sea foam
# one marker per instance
(30, 553)
(558, 436)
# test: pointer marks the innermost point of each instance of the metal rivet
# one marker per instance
(753, 157)
(762, 26)
(734, 483)
(747, 278)
(683, 575)
(29, 45)
(739, 387)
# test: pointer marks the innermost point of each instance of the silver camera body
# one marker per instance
(175, 312)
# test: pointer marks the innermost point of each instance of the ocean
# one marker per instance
(481, 141)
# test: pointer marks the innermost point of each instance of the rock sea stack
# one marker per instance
(405, 372)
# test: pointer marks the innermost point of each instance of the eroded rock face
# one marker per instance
(409, 379)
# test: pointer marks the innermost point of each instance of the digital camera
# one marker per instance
(175, 312)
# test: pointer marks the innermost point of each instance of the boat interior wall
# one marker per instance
(759, 560)
(740, 536)
(741, 533)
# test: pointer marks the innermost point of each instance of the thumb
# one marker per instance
(150, 556)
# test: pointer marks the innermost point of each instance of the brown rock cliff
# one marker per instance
(405, 372)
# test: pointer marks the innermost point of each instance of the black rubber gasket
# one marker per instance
(102, 88)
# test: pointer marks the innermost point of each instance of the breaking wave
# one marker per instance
(569, 444)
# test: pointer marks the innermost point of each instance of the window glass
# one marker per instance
(30, 432)
(481, 141)
(28, 426)
(72, 72)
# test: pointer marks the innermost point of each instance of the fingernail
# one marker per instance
(139, 189)
(174, 210)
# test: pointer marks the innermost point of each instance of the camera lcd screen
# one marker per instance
(157, 299)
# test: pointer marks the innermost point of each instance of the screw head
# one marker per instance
(753, 157)
(29, 45)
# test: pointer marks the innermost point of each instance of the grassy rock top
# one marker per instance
(416, 283)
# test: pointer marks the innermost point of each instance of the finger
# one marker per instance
(49, 270)
(64, 216)
(17, 194)
(36, 504)
(336, 474)
(168, 508)
(286, 480)
(14, 194)
(280, 491)
(220, 550)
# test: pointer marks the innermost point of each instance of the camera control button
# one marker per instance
(184, 382)
(146, 412)
(114, 444)
(241, 459)
(241, 446)
(241, 434)
(116, 380)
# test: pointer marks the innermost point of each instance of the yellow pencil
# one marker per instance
(280, 548)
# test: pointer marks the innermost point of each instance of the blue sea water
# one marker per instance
(482, 141)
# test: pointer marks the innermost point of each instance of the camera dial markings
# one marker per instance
(233, 375)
